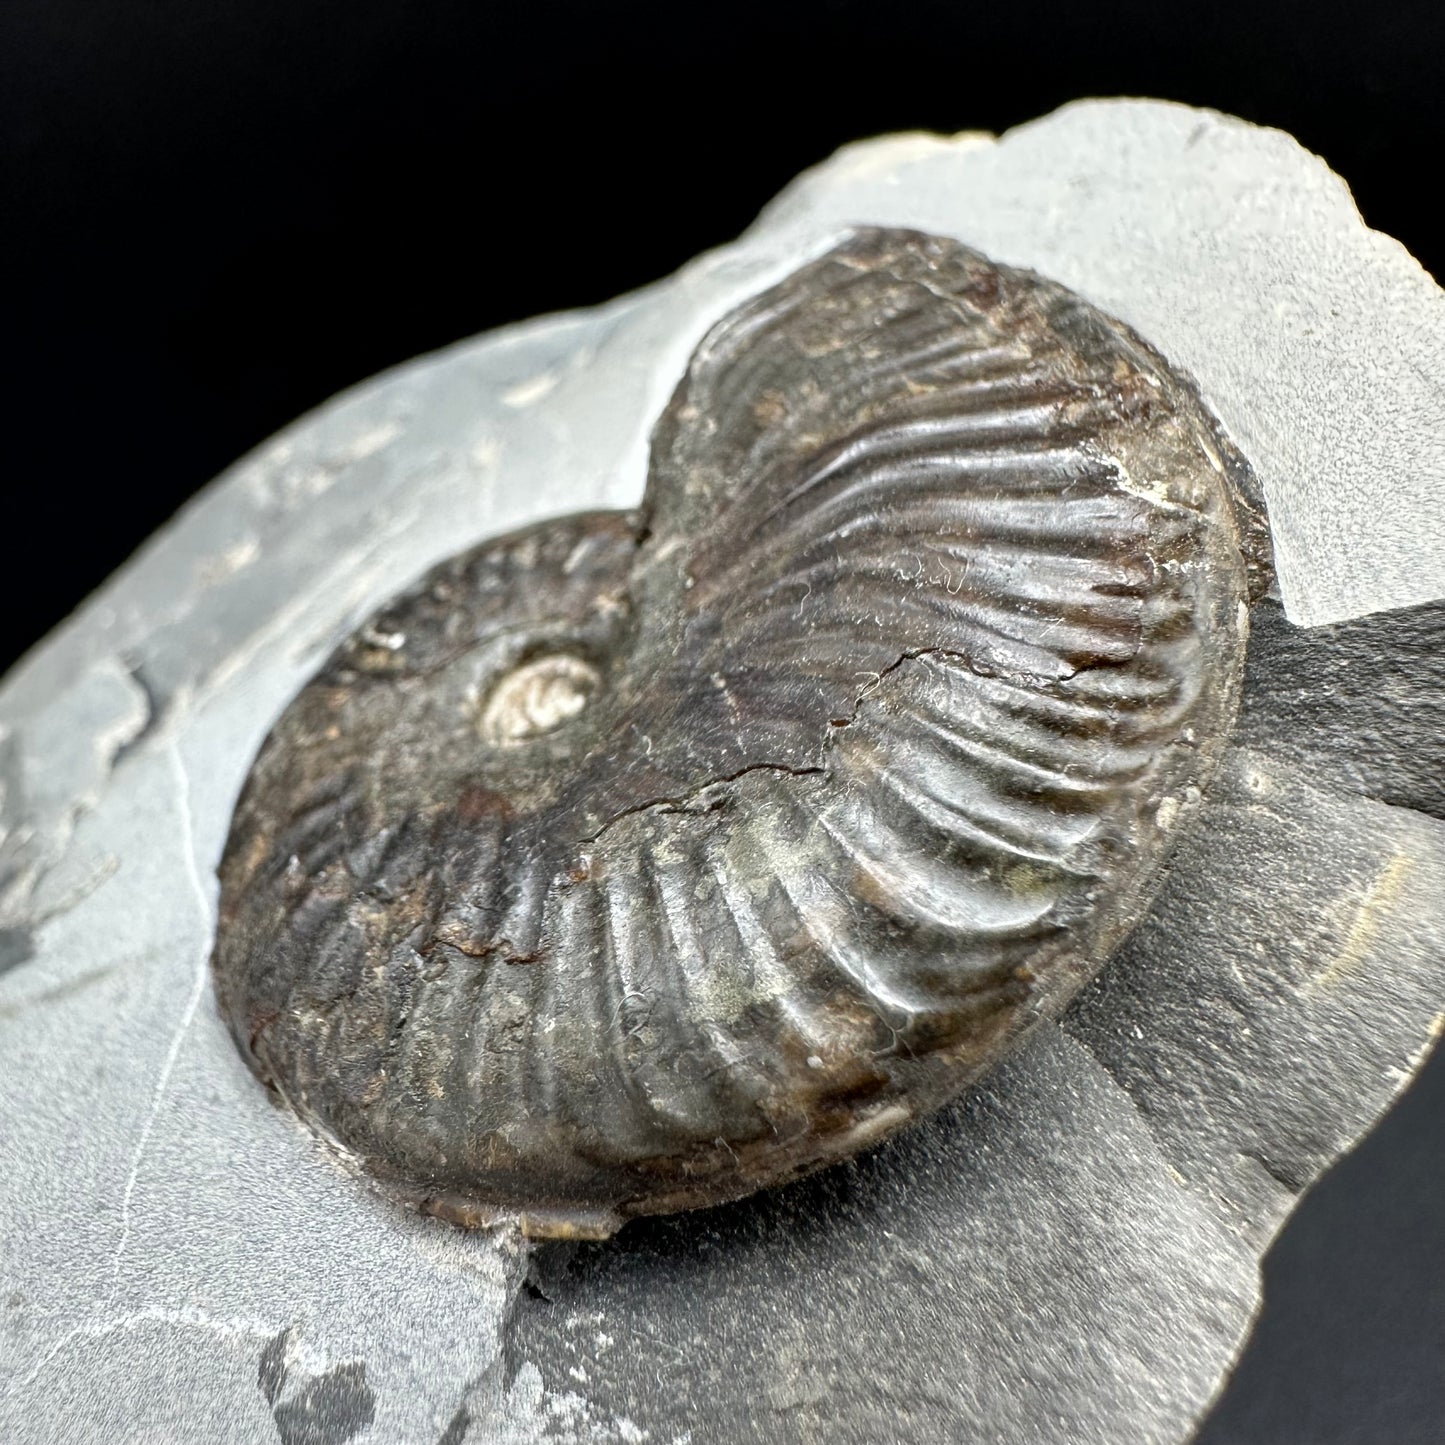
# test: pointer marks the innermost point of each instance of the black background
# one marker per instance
(219, 212)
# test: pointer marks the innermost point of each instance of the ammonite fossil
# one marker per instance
(639, 860)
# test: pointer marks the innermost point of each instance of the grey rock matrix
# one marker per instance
(1070, 1253)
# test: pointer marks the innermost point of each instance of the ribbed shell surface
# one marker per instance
(636, 861)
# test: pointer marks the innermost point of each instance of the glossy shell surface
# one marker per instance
(640, 860)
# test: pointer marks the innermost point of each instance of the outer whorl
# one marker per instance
(637, 861)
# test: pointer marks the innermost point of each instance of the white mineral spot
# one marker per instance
(226, 564)
(372, 440)
(537, 698)
(525, 393)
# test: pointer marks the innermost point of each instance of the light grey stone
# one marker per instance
(1070, 1254)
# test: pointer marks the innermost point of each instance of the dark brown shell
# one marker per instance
(637, 861)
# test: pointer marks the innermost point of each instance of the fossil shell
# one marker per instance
(639, 860)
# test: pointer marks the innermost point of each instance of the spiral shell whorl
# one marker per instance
(636, 861)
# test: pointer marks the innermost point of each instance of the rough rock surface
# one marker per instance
(1070, 1253)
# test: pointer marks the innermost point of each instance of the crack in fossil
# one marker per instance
(683, 802)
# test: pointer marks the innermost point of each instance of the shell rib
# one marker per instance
(637, 861)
